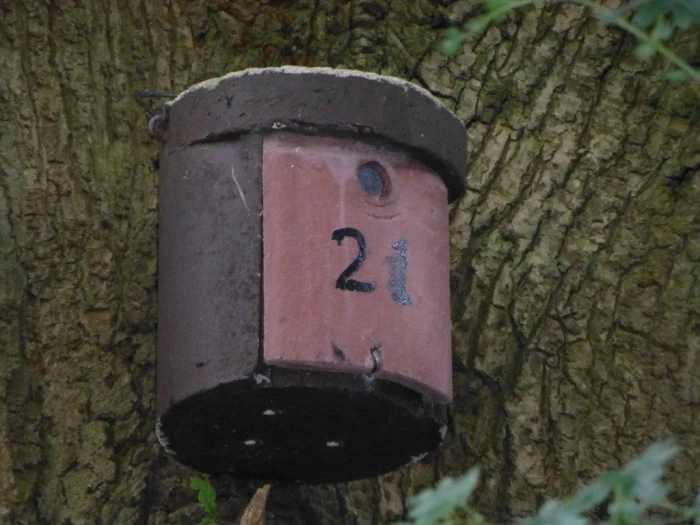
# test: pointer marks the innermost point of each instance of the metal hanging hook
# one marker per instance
(158, 124)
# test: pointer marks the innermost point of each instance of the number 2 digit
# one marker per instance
(344, 282)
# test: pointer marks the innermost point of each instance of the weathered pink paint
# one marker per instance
(310, 189)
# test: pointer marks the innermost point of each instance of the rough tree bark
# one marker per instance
(575, 255)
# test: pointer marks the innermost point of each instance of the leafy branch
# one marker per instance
(253, 514)
(632, 492)
(652, 22)
(206, 494)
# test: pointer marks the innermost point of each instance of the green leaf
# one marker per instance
(624, 9)
(645, 51)
(208, 521)
(432, 505)
(662, 30)
(207, 494)
(647, 14)
(685, 13)
(638, 486)
(555, 511)
(498, 5)
(454, 38)
(676, 75)
(573, 510)
(589, 497)
(479, 24)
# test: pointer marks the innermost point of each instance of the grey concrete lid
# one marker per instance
(381, 109)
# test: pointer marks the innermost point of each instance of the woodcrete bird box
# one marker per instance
(304, 315)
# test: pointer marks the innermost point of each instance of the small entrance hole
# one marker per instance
(373, 179)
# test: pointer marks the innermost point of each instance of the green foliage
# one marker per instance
(452, 44)
(638, 486)
(431, 506)
(652, 22)
(632, 492)
(665, 14)
(207, 498)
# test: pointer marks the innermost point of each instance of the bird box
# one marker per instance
(303, 273)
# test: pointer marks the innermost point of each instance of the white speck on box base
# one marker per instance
(260, 379)
(416, 459)
(164, 441)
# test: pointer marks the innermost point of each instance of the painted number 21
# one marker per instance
(398, 265)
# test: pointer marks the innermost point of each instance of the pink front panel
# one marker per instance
(355, 280)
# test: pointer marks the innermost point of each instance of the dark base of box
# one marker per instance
(302, 427)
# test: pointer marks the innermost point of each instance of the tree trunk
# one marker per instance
(575, 255)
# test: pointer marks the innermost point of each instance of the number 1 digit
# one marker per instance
(397, 278)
